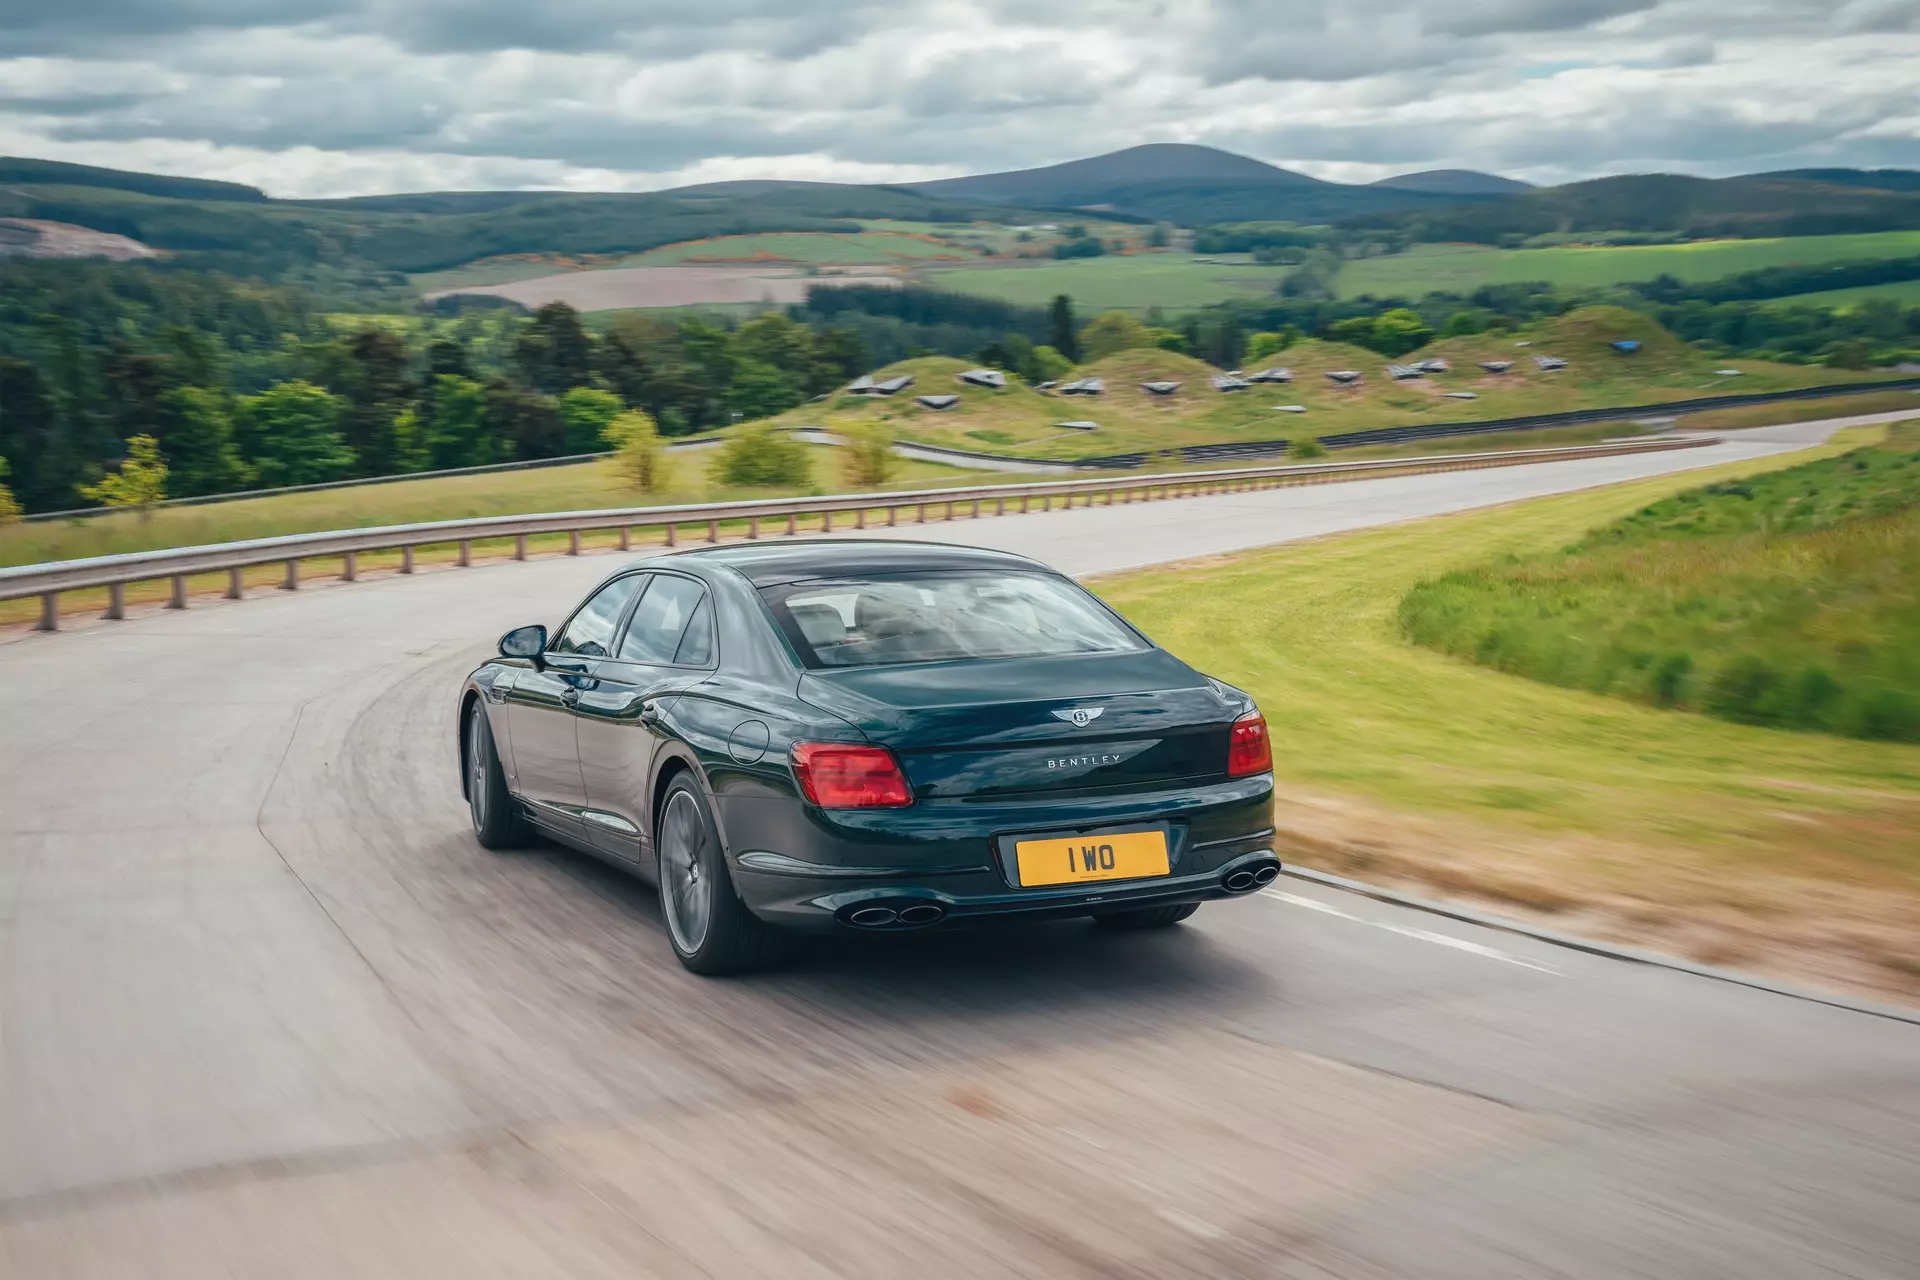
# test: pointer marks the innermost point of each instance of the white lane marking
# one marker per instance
(1458, 944)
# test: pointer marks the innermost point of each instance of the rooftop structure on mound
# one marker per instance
(1496, 366)
(1160, 388)
(1626, 346)
(1345, 377)
(1401, 372)
(991, 378)
(1272, 375)
(865, 385)
(1084, 387)
(1550, 363)
(937, 402)
(1227, 382)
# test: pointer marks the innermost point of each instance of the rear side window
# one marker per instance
(941, 617)
(660, 619)
(696, 646)
(589, 632)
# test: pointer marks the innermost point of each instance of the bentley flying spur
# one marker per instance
(868, 736)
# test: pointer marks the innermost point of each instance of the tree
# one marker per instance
(1060, 328)
(1399, 331)
(1158, 236)
(761, 390)
(554, 353)
(760, 456)
(291, 434)
(587, 411)
(1461, 324)
(201, 452)
(458, 435)
(46, 464)
(9, 509)
(1268, 343)
(638, 452)
(138, 483)
(1112, 331)
(527, 423)
(373, 381)
(1047, 365)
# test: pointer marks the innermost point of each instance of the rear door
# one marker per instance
(666, 645)
(540, 717)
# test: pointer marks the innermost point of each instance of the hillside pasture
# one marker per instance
(650, 287)
(1115, 282)
(1462, 268)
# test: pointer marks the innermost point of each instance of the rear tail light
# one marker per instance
(838, 775)
(1248, 750)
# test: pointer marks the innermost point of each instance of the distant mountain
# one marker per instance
(1182, 183)
(58, 173)
(1455, 182)
(1662, 203)
(1877, 179)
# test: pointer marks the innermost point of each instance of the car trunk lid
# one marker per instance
(980, 730)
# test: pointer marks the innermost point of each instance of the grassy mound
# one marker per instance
(1790, 600)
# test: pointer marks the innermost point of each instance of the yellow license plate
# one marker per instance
(1130, 855)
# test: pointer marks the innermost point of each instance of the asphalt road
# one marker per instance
(267, 1010)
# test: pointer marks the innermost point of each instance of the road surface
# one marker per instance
(267, 1010)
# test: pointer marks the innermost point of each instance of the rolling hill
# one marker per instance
(1455, 182)
(1185, 184)
(1661, 202)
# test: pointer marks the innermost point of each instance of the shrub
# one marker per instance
(762, 456)
(1307, 447)
(1671, 676)
(140, 481)
(639, 452)
(868, 458)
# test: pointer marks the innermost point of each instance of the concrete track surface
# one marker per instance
(267, 1010)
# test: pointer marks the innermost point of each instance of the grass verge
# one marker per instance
(1790, 852)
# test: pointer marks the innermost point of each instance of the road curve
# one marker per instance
(266, 1009)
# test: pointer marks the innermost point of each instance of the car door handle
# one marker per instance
(650, 712)
(570, 696)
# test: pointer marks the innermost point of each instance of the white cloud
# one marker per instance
(329, 97)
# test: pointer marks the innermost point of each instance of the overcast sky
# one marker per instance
(339, 97)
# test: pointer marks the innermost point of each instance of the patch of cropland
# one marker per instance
(1462, 268)
(1129, 282)
(1790, 600)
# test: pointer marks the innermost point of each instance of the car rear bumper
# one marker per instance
(799, 868)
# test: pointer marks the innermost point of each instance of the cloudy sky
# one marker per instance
(336, 97)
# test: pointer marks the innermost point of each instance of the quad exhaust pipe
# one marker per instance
(910, 915)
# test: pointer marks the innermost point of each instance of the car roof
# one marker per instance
(766, 564)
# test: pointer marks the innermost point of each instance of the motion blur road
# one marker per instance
(266, 1009)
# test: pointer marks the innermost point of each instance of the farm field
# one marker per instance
(1116, 282)
(1904, 293)
(1021, 421)
(1735, 844)
(1461, 268)
(622, 288)
(812, 247)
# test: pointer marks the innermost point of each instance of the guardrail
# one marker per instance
(115, 573)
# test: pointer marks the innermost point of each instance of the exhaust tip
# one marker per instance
(1266, 875)
(872, 917)
(1240, 881)
(923, 913)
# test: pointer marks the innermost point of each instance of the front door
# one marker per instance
(621, 720)
(540, 719)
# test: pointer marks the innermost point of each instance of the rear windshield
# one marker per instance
(937, 617)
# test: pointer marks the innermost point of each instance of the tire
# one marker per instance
(497, 824)
(710, 929)
(1145, 917)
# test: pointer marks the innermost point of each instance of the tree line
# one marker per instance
(244, 386)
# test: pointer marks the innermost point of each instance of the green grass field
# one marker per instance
(1906, 293)
(1399, 763)
(1117, 282)
(1461, 268)
(1792, 599)
(1021, 421)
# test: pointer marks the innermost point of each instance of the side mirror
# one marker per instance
(524, 642)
